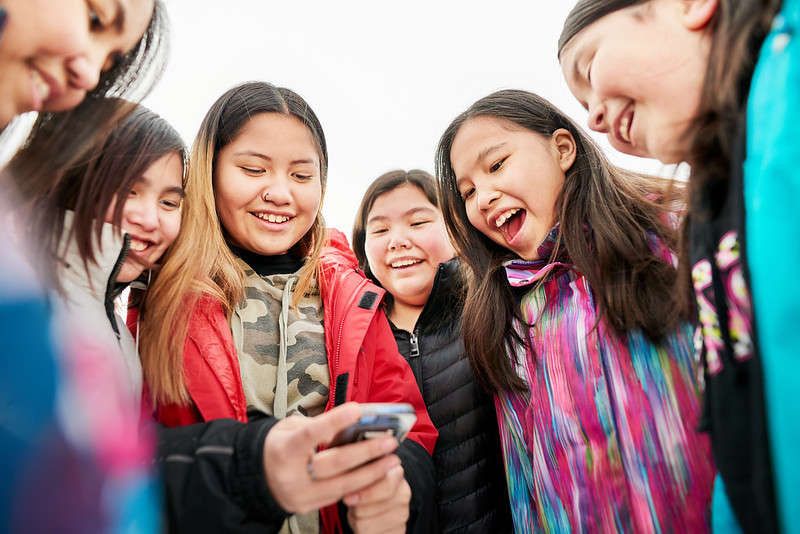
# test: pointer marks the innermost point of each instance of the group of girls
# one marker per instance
(596, 350)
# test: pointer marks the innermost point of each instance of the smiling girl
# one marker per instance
(53, 53)
(109, 217)
(569, 320)
(714, 83)
(280, 323)
(400, 241)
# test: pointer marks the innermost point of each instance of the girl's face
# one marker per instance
(151, 215)
(405, 242)
(267, 184)
(639, 71)
(52, 52)
(509, 179)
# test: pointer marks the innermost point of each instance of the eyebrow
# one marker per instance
(488, 150)
(174, 189)
(267, 158)
(412, 211)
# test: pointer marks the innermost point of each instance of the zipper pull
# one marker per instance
(414, 344)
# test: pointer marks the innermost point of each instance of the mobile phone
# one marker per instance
(378, 419)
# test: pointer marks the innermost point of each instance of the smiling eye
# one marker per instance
(378, 231)
(95, 22)
(303, 176)
(252, 171)
(496, 166)
(171, 204)
(419, 223)
(467, 193)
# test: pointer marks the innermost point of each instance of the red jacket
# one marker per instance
(363, 360)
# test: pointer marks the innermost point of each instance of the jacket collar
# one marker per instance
(96, 279)
(521, 273)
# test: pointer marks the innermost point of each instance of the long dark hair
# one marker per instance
(622, 211)
(737, 28)
(86, 182)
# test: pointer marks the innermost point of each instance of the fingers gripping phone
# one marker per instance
(378, 419)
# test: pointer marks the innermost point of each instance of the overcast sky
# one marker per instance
(385, 78)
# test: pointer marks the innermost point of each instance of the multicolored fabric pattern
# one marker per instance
(606, 440)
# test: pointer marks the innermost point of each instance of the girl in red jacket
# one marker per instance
(277, 320)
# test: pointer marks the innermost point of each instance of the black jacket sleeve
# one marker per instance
(421, 476)
(213, 478)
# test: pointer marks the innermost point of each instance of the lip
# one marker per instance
(626, 115)
(272, 225)
(404, 258)
(55, 89)
(491, 220)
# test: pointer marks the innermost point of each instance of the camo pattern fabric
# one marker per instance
(282, 358)
(307, 379)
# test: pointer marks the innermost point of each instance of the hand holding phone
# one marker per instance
(378, 419)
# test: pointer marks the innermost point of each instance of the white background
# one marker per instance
(385, 78)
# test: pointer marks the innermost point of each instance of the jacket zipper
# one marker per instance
(414, 340)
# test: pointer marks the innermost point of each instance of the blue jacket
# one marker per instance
(772, 218)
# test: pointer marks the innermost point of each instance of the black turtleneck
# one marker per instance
(268, 265)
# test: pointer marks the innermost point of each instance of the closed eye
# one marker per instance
(497, 165)
(252, 171)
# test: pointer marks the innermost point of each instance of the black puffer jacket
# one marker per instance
(470, 476)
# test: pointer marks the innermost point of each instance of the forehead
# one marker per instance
(275, 132)
(400, 201)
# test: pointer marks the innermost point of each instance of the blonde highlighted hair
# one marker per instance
(200, 262)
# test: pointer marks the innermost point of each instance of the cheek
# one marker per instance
(376, 256)
(171, 227)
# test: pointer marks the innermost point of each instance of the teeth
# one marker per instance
(404, 263)
(41, 86)
(138, 246)
(272, 217)
(624, 128)
(501, 220)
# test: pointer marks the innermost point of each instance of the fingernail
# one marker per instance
(350, 500)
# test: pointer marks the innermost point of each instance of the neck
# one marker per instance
(404, 315)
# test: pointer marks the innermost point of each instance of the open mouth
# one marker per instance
(271, 217)
(140, 245)
(405, 263)
(40, 90)
(509, 223)
(624, 124)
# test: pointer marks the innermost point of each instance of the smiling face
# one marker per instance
(151, 215)
(639, 71)
(510, 178)
(267, 184)
(405, 242)
(52, 53)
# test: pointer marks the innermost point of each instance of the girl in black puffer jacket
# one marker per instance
(401, 242)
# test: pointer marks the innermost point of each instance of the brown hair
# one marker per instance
(622, 210)
(383, 184)
(200, 261)
(737, 28)
(88, 181)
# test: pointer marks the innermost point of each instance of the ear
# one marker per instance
(564, 144)
(697, 14)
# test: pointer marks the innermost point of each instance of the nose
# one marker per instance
(276, 191)
(83, 72)
(398, 240)
(597, 116)
(141, 214)
(486, 197)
